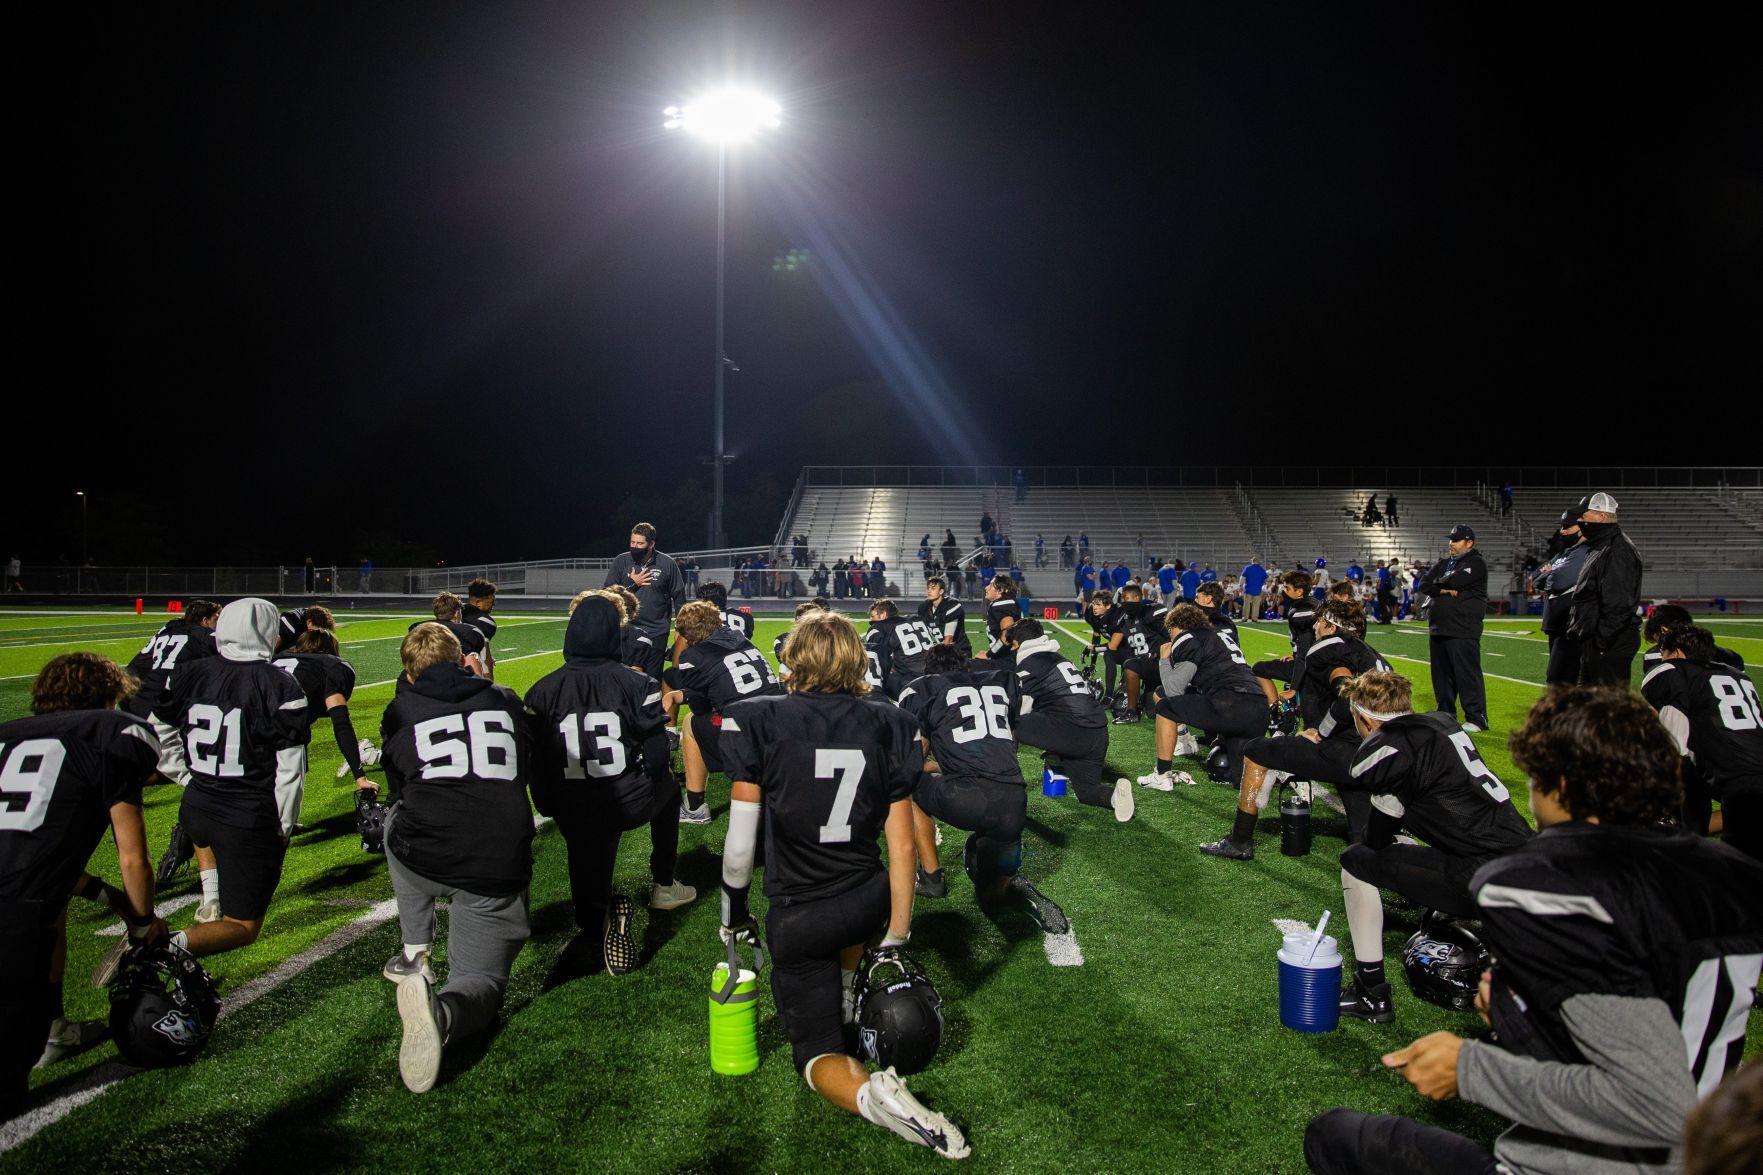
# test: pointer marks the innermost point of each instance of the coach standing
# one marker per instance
(1458, 585)
(660, 589)
(1567, 551)
(1604, 619)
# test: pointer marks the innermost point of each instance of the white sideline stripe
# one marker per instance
(400, 636)
(117, 929)
(1495, 676)
(501, 661)
(93, 640)
(22, 1128)
(1062, 949)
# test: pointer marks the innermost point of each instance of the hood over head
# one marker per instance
(592, 635)
(247, 630)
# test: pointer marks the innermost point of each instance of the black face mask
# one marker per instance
(1593, 531)
(639, 554)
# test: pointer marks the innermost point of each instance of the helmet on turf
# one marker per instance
(899, 1015)
(155, 1024)
(1443, 961)
(1218, 765)
(370, 821)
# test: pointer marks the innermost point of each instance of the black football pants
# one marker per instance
(993, 813)
(1078, 750)
(1347, 1142)
(592, 826)
(1741, 810)
(1237, 718)
(27, 942)
(805, 938)
(1423, 875)
(1456, 674)
(1330, 761)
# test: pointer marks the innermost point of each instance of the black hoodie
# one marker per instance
(459, 754)
(598, 725)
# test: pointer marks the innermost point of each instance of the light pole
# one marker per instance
(85, 554)
(723, 117)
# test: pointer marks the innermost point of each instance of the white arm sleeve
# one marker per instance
(1678, 725)
(290, 785)
(737, 851)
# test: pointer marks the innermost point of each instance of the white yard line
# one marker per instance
(116, 929)
(1062, 949)
(502, 661)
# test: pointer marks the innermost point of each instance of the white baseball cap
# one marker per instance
(1601, 502)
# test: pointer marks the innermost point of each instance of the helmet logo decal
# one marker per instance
(177, 1027)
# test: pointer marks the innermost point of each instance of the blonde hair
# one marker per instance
(627, 600)
(825, 656)
(1377, 692)
(697, 620)
(427, 645)
(607, 594)
(446, 604)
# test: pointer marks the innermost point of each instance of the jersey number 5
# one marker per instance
(1490, 783)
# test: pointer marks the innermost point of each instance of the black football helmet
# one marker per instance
(370, 821)
(899, 1016)
(1218, 765)
(155, 1024)
(1443, 961)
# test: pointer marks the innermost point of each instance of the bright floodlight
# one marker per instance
(724, 116)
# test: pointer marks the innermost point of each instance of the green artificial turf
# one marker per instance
(1162, 1052)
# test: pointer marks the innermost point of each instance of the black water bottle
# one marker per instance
(1294, 826)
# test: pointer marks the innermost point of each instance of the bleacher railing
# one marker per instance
(1226, 476)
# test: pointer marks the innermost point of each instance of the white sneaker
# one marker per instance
(671, 896)
(1123, 801)
(398, 968)
(67, 1037)
(892, 1105)
(370, 754)
(419, 1055)
(208, 911)
(1186, 744)
(1471, 728)
(1158, 781)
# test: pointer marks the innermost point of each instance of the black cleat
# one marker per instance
(1127, 719)
(1043, 909)
(1367, 1003)
(1229, 849)
(620, 948)
(931, 885)
(177, 855)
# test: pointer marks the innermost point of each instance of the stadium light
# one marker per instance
(723, 117)
(85, 551)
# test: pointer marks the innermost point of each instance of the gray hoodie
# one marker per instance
(246, 630)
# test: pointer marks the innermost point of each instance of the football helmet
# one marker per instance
(1218, 765)
(1443, 961)
(898, 1011)
(370, 821)
(155, 1024)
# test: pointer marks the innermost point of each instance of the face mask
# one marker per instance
(638, 554)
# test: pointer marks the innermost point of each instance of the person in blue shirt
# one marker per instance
(1190, 582)
(1207, 575)
(1166, 579)
(1086, 580)
(1355, 572)
(924, 547)
(1386, 592)
(1120, 575)
(1254, 584)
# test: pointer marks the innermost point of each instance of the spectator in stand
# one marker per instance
(1389, 511)
(1190, 582)
(878, 578)
(972, 577)
(821, 577)
(1083, 543)
(841, 579)
(1370, 516)
(924, 548)
(1067, 553)
(859, 572)
(1040, 551)
(1505, 499)
(1021, 484)
(986, 523)
(366, 571)
(1604, 619)
(1458, 587)
(1254, 587)
(951, 550)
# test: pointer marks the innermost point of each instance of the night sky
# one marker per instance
(431, 278)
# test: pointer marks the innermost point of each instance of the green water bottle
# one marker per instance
(734, 1014)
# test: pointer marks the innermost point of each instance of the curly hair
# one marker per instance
(1187, 617)
(697, 621)
(1379, 692)
(81, 681)
(1601, 752)
(1692, 640)
(1662, 619)
(1346, 615)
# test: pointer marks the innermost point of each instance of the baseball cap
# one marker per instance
(1461, 532)
(1601, 502)
(1570, 516)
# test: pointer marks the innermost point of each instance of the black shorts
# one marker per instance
(647, 651)
(805, 940)
(248, 856)
(1244, 715)
(993, 812)
(707, 733)
(1330, 761)
(1344, 1142)
(1273, 670)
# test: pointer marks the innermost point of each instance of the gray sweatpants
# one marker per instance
(483, 936)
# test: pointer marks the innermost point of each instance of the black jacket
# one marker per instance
(1607, 601)
(1459, 615)
(1557, 579)
(657, 603)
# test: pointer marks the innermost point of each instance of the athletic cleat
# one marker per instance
(698, 815)
(67, 1037)
(1471, 728)
(419, 1055)
(621, 949)
(1127, 719)
(671, 896)
(1229, 849)
(370, 757)
(1042, 908)
(1186, 745)
(931, 885)
(208, 912)
(177, 855)
(1158, 781)
(1367, 1003)
(891, 1104)
(1123, 802)
(398, 968)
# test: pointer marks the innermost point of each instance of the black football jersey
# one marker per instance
(60, 774)
(319, 676)
(236, 717)
(482, 621)
(179, 642)
(1222, 624)
(900, 644)
(828, 767)
(948, 619)
(1319, 699)
(634, 644)
(1626, 910)
(970, 720)
(590, 722)
(1054, 684)
(1301, 619)
(458, 751)
(1725, 720)
(739, 621)
(1450, 798)
(1143, 634)
(1722, 655)
(1218, 665)
(997, 611)
(471, 638)
(1111, 624)
(288, 628)
(724, 667)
